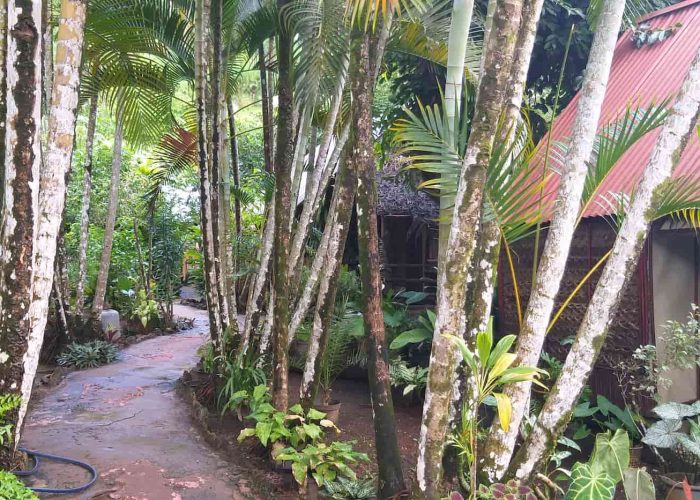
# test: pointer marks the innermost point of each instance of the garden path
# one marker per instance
(127, 421)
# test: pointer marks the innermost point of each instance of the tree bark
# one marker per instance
(460, 21)
(112, 207)
(500, 444)
(338, 224)
(316, 182)
(669, 146)
(265, 102)
(452, 272)
(22, 158)
(391, 481)
(283, 186)
(203, 8)
(3, 98)
(85, 208)
(255, 296)
(235, 169)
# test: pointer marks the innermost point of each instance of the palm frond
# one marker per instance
(513, 198)
(679, 199)
(176, 152)
(426, 37)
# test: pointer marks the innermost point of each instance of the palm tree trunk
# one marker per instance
(338, 223)
(22, 158)
(453, 269)
(24, 151)
(226, 243)
(316, 183)
(112, 206)
(235, 170)
(362, 160)
(255, 297)
(500, 444)
(203, 8)
(3, 99)
(85, 208)
(460, 22)
(266, 110)
(283, 202)
(556, 413)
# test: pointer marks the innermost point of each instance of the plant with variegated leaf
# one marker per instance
(325, 462)
(678, 433)
(490, 368)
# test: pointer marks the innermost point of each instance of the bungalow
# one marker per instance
(649, 66)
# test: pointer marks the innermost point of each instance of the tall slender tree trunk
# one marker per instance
(235, 168)
(669, 146)
(3, 101)
(316, 179)
(460, 22)
(283, 185)
(226, 243)
(31, 304)
(47, 56)
(85, 208)
(21, 163)
(265, 102)
(362, 161)
(203, 8)
(453, 269)
(338, 223)
(221, 189)
(500, 444)
(112, 206)
(255, 297)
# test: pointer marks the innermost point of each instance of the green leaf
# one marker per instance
(415, 336)
(589, 485)
(246, 433)
(502, 346)
(299, 470)
(467, 355)
(484, 342)
(315, 414)
(662, 434)
(297, 409)
(263, 430)
(638, 485)
(611, 454)
(259, 392)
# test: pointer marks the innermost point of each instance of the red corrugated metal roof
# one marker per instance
(641, 76)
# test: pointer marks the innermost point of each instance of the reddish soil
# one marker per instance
(355, 424)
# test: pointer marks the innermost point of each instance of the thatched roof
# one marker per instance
(397, 197)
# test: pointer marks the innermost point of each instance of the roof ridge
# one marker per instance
(667, 10)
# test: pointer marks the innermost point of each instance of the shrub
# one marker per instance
(8, 402)
(88, 355)
(12, 488)
(349, 489)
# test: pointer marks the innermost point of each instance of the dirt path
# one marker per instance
(126, 420)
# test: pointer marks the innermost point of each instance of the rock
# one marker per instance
(109, 319)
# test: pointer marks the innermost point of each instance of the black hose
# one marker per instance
(35, 456)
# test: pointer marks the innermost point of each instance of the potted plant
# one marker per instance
(407, 382)
(338, 356)
(677, 436)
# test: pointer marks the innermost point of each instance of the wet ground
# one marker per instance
(126, 420)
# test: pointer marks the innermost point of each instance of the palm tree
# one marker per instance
(29, 237)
